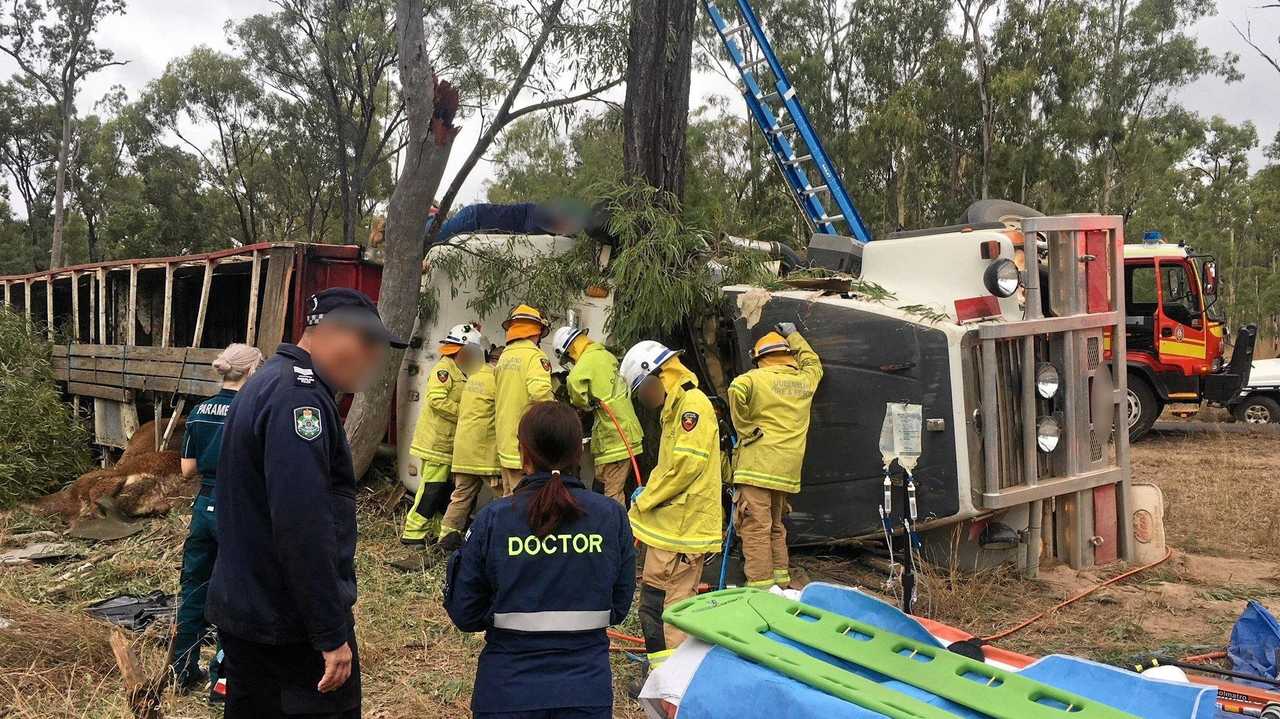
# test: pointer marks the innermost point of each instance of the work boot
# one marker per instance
(419, 542)
(636, 685)
(450, 542)
(186, 682)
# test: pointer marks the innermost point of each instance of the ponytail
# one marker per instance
(550, 436)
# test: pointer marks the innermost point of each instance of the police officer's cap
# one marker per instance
(353, 309)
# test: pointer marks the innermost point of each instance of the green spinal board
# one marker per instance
(737, 619)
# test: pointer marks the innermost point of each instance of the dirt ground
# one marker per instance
(1221, 501)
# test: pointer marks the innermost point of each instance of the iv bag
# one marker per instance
(886, 435)
(908, 425)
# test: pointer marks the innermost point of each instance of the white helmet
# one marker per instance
(643, 359)
(467, 333)
(562, 339)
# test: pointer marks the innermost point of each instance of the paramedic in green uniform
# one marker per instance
(200, 450)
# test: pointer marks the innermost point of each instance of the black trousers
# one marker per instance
(266, 681)
(567, 713)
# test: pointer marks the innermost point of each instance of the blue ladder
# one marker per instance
(786, 128)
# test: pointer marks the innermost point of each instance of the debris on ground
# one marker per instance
(38, 552)
(135, 612)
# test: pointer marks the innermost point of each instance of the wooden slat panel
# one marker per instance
(94, 390)
(60, 350)
(59, 363)
(82, 375)
(275, 300)
(83, 363)
(60, 374)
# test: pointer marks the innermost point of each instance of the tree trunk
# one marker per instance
(424, 163)
(60, 184)
(656, 113)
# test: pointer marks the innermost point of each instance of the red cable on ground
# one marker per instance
(1076, 598)
(635, 466)
(1204, 658)
(615, 634)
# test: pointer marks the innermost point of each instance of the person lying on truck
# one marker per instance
(770, 408)
(201, 446)
(527, 218)
(594, 386)
(475, 449)
(433, 435)
(677, 513)
(284, 583)
(544, 573)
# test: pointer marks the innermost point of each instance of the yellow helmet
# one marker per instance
(770, 343)
(525, 312)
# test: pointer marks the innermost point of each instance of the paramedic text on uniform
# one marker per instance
(543, 573)
(284, 583)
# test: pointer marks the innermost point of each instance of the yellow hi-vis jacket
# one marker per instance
(523, 376)
(433, 437)
(593, 381)
(679, 510)
(475, 444)
(771, 403)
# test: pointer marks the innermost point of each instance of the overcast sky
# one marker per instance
(155, 31)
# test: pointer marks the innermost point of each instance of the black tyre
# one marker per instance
(1257, 409)
(984, 211)
(1143, 407)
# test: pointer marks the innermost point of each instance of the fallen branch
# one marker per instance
(143, 693)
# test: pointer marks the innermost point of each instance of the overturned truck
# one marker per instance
(1018, 398)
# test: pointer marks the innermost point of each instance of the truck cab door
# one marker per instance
(1181, 327)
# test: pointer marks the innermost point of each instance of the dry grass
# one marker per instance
(56, 662)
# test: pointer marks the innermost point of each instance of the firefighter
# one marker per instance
(433, 437)
(475, 449)
(522, 377)
(544, 573)
(770, 407)
(676, 514)
(594, 385)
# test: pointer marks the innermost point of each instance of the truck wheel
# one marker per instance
(1143, 407)
(1257, 409)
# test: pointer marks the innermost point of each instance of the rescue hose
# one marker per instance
(1023, 625)
(615, 634)
(635, 465)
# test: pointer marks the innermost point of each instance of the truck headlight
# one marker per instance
(1002, 278)
(1048, 432)
(1047, 380)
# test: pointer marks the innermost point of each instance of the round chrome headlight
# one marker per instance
(1047, 380)
(1002, 278)
(1048, 432)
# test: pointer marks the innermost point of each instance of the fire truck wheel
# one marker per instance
(1257, 409)
(1143, 407)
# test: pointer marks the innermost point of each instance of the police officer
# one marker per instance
(475, 447)
(543, 573)
(523, 376)
(201, 447)
(433, 436)
(770, 407)
(284, 582)
(593, 384)
(677, 513)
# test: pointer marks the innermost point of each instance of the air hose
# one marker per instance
(635, 465)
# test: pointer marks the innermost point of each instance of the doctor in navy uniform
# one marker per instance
(284, 582)
(544, 572)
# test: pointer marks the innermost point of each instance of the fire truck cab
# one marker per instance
(1176, 333)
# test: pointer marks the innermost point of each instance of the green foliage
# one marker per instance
(514, 270)
(43, 444)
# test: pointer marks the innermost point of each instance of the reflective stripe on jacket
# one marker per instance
(679, 510)
(594, 380)
(433, 437)
(544, 602)
(523, 376)
(770, 407)
(475, 444)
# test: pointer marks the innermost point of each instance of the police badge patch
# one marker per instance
(688, 421)
(546, 364)
(306, 422)
(443, 376)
